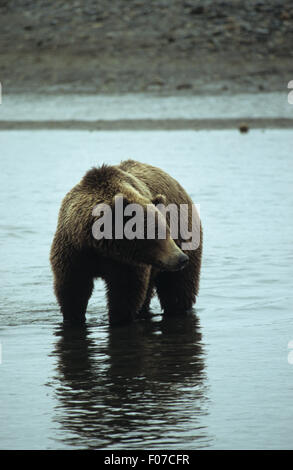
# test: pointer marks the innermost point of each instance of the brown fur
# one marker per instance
(132, 269)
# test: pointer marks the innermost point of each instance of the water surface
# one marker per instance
(141, 106)
(219, 378)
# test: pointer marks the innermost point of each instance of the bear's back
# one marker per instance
(157, 181)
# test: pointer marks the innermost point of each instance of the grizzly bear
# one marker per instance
(133, 269)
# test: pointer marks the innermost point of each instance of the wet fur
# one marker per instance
(128, 268)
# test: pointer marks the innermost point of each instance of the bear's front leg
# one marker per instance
(73, 294)
(177, 290)
(73, 281)
(127, 288)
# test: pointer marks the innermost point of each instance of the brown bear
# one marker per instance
(131, 268)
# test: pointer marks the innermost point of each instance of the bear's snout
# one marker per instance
(173, 259)
(176, 263)
(182, 261)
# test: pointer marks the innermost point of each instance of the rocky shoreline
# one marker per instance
(162, 46)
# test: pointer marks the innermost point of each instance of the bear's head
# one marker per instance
(127, 226)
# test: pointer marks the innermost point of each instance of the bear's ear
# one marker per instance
(159, 199)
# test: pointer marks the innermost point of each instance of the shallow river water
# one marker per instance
(220, 378)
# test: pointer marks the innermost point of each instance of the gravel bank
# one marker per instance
(163, 46)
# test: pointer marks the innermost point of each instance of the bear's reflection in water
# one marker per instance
(142, 386)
